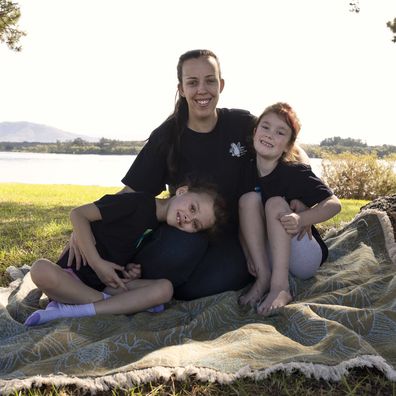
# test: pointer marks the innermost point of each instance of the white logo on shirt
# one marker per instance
(237, 150)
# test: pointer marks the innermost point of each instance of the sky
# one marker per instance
(108, 68)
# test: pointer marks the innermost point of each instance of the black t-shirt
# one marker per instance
(293, 180)
(125, 218)
(219, 156)
(296, 181)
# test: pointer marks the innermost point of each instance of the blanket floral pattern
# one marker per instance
(343, 317)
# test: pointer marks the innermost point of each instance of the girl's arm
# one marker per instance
(81, 217)
(319, 213)
(73, 247)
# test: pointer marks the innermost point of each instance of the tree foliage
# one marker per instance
(392, 26)
(9, 29)
(77, 146)
(338, 141)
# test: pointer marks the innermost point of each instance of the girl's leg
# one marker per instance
(146, 294)
(305, 257)
(279, 241)
(253, 239)
(142, 294)
(61, 286)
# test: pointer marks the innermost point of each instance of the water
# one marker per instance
(82, 169)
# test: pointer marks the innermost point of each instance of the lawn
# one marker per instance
(34, 223)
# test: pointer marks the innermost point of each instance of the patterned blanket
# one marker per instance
(344, 317)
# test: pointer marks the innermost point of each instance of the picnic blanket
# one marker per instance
(344, 317)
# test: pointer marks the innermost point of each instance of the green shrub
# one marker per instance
(359, 176)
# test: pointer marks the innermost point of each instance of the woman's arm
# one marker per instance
(126, 189)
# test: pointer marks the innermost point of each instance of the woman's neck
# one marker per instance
(265, 166)
(203, 125)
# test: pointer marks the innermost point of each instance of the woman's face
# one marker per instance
(201, 86)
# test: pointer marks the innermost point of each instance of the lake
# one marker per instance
(82, 169)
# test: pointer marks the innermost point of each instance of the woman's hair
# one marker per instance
(287, 114)
(199, 185)
(180, 112)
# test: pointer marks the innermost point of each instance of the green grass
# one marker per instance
(34, 222)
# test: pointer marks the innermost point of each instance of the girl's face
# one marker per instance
(201, 86)
(272, 137)
(190, 211)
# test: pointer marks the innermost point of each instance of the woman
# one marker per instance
(200, 139)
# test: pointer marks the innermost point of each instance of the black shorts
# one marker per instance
(86, 274)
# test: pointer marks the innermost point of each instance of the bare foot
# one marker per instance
(253, 296)
(276, 299)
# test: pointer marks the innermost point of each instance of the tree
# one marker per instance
(338, 141)
(9, 29)
(392, 26)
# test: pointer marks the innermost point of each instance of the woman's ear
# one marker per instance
(181, 190)
(180, 89)
(222, 83)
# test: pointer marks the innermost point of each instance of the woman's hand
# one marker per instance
(251, 268)
(132, 271)
(75, 252)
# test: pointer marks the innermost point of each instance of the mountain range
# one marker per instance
(30, 132)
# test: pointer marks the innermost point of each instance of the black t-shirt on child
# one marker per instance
(296, 181)
(125, 218)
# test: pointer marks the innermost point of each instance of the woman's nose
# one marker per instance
(202, 87)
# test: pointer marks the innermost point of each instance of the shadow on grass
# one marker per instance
(32, 231)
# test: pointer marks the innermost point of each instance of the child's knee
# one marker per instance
(166, 289)
(42, 272)
(250, 200)
(276, 204)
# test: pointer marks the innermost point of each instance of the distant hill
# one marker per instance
(30, 132)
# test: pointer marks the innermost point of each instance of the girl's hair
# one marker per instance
(287, 114)
(201, 186)
(180, 112)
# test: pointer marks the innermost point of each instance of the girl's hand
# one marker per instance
(132, 271)
(297, 207)
(291, 222)
(75, 252)
(106, 271)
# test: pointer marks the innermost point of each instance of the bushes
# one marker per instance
(359, 176)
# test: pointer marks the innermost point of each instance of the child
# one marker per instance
(269, 228)
(109, 232)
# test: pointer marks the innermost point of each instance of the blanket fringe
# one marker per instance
(129, 379)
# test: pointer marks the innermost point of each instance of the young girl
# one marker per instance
(109, 232)
(268, 226)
